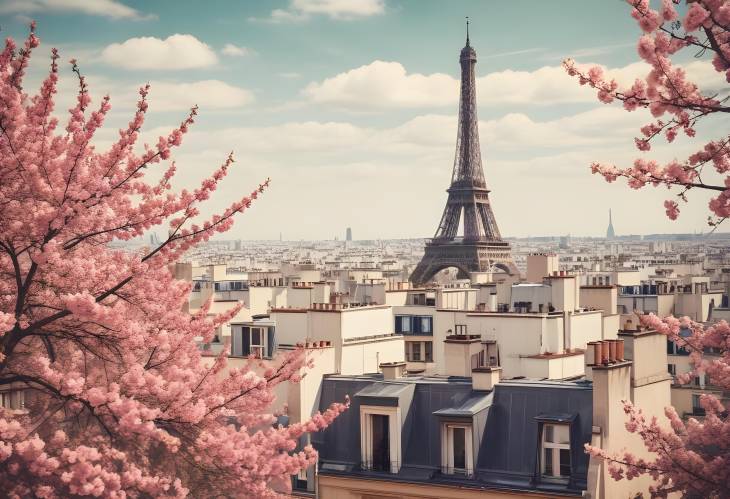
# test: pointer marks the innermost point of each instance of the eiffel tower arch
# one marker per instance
(481, 248)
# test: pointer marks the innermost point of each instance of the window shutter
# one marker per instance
(246, 341)
(270, 343)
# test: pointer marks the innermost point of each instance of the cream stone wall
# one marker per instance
(369, 321)
(565, 295)
(611, 326)
(536, 294)
(300, 297)
(457, 299)
(553, 334)
(516, 335)
(331, 487)
(553, 368)
(584, 327)
(458, 355)
(360, 357)
(626, 278)
(291, 327)
(396, 298)
(260, 298)
(601, 298)
(541, 265)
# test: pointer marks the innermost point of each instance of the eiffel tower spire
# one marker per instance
(481, 248)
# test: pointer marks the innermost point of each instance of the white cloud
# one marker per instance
(236, 51)
(340, 9)
(207, 94)
(302, 10)
(405, 168)
(164, 96)
(104, 8)
(174, 52)
(387, 85)
(383, 84)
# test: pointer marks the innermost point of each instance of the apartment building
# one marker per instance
(468, 434)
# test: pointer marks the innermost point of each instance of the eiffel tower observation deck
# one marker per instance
(480, 248)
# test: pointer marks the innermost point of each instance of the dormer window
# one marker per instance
(555, 451)
(380, 438)
(457, 452)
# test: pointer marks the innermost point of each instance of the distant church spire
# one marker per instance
(610, 234)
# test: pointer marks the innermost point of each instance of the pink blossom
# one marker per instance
(667, 93)
(126, 405)
(696, 15)
(672, 209)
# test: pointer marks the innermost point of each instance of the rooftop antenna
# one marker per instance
(467, 31)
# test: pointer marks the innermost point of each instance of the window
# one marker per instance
(414, 324)
(672, 369)
(457, 455)
(380, 438)
(418, 299)
(413, 351)
(251, 340)
(12, 399)
(422, 324)
(429, 350)
(402, 323)
(419, 351)
(697, 409)
(257, 342)
(674, 349)
(555, 458)
(460, 329)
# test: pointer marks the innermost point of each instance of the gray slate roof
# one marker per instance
(505, 423)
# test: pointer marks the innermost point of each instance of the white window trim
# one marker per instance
(259, 349)
(394, 433)
(447, 448)
(555, 452)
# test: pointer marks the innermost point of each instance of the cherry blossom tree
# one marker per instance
(689, 457)
(118, 400)
(677, 103)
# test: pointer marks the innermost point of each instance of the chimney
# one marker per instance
(611, 386)
(392, 370)
(459, 352)
(484, 378)
(650, 381)
(492, 302)
(611, 350)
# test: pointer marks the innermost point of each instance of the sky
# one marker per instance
(350, 106)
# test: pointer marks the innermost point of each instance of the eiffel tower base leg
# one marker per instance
(466, 258)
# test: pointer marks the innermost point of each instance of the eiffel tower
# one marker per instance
(481, 248)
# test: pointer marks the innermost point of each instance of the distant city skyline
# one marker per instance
(360, 134)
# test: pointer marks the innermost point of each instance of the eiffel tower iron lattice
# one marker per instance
(481, 248)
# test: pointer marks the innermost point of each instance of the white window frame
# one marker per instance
(447, 449)
(555, 450)
(259, 350)
(394, 435)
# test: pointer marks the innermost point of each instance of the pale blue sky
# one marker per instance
(350, 105)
